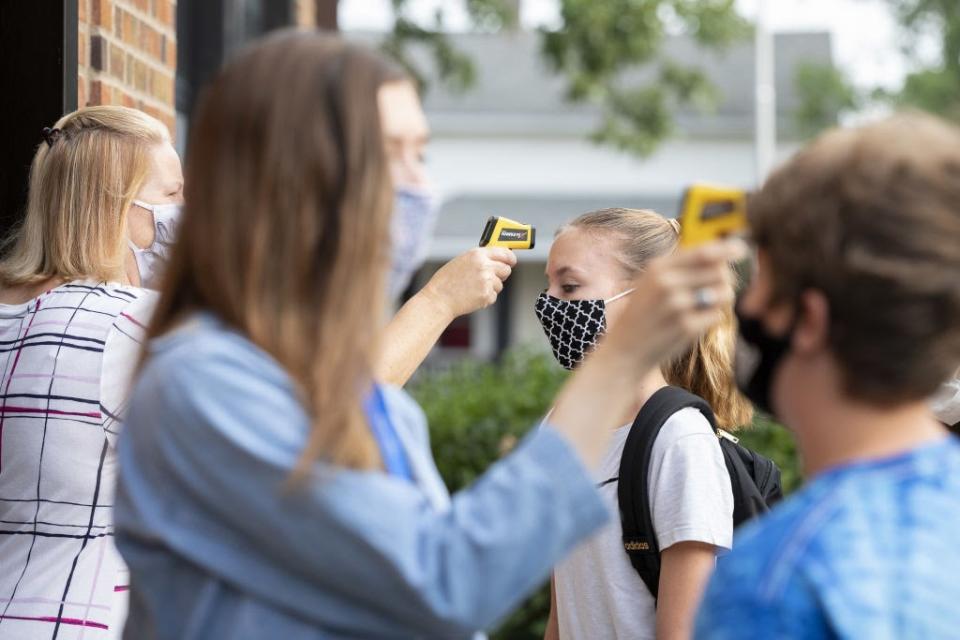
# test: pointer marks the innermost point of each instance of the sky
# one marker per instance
(866, 41)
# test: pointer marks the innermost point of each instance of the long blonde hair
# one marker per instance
(285, 231)
(81, 185)
(706, 369)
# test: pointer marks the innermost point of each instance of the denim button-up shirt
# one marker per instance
(219, 544)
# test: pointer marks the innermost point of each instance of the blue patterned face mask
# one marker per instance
(414, 218)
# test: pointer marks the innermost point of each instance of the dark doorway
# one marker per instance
(38, 73)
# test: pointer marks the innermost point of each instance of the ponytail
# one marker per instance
(706, 370)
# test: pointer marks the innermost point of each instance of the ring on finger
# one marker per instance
(704, 297)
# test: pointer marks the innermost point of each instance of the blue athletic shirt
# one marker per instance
(866, 550)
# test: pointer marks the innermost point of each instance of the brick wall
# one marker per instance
(128, 55)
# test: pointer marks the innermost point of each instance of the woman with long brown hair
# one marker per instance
(597, 592)
(269, 486)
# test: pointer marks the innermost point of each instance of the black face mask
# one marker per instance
(758, 355)
(573, 327)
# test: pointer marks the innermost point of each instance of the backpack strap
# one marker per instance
(633, 491)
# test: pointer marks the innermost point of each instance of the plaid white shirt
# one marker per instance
(66, 359)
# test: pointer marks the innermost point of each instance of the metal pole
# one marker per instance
(765, 117)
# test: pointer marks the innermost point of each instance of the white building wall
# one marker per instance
(532, 166)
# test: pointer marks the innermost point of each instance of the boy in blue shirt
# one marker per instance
(852, 322)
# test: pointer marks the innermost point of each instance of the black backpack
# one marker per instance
(755, 480)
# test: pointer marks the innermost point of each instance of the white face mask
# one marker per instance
(946, 402)
(150, 261)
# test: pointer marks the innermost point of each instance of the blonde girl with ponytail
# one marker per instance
(596, 591)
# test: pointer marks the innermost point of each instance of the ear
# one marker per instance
(812, 331)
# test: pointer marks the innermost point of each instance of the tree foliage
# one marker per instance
(598, 45)
(937, 87)
(824, 92)
(601, 41)
(451, 66)
(934, 88)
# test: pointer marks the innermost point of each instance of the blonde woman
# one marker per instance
(71, 322)
(597, 593)
(269, 488)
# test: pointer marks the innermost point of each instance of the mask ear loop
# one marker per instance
(619, 295)
(146, 207)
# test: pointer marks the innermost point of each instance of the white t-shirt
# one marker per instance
(600, 596)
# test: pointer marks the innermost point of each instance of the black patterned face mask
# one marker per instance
(573, 327)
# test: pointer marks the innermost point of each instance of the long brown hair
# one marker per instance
(706, 369)
(81, 186)
(285, 228)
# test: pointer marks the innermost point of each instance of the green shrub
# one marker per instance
(774, 441)
(478, 410)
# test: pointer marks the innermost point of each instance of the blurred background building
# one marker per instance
(507, 137)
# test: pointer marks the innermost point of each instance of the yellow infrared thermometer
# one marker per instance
(710, 213)
(510, 234)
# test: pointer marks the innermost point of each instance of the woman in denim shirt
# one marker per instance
(269, 487)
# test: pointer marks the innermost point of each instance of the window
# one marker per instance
(208, 32)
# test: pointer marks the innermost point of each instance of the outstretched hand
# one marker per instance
(467, 283)
(471, 281)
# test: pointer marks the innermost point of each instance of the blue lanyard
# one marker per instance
(394, 457)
